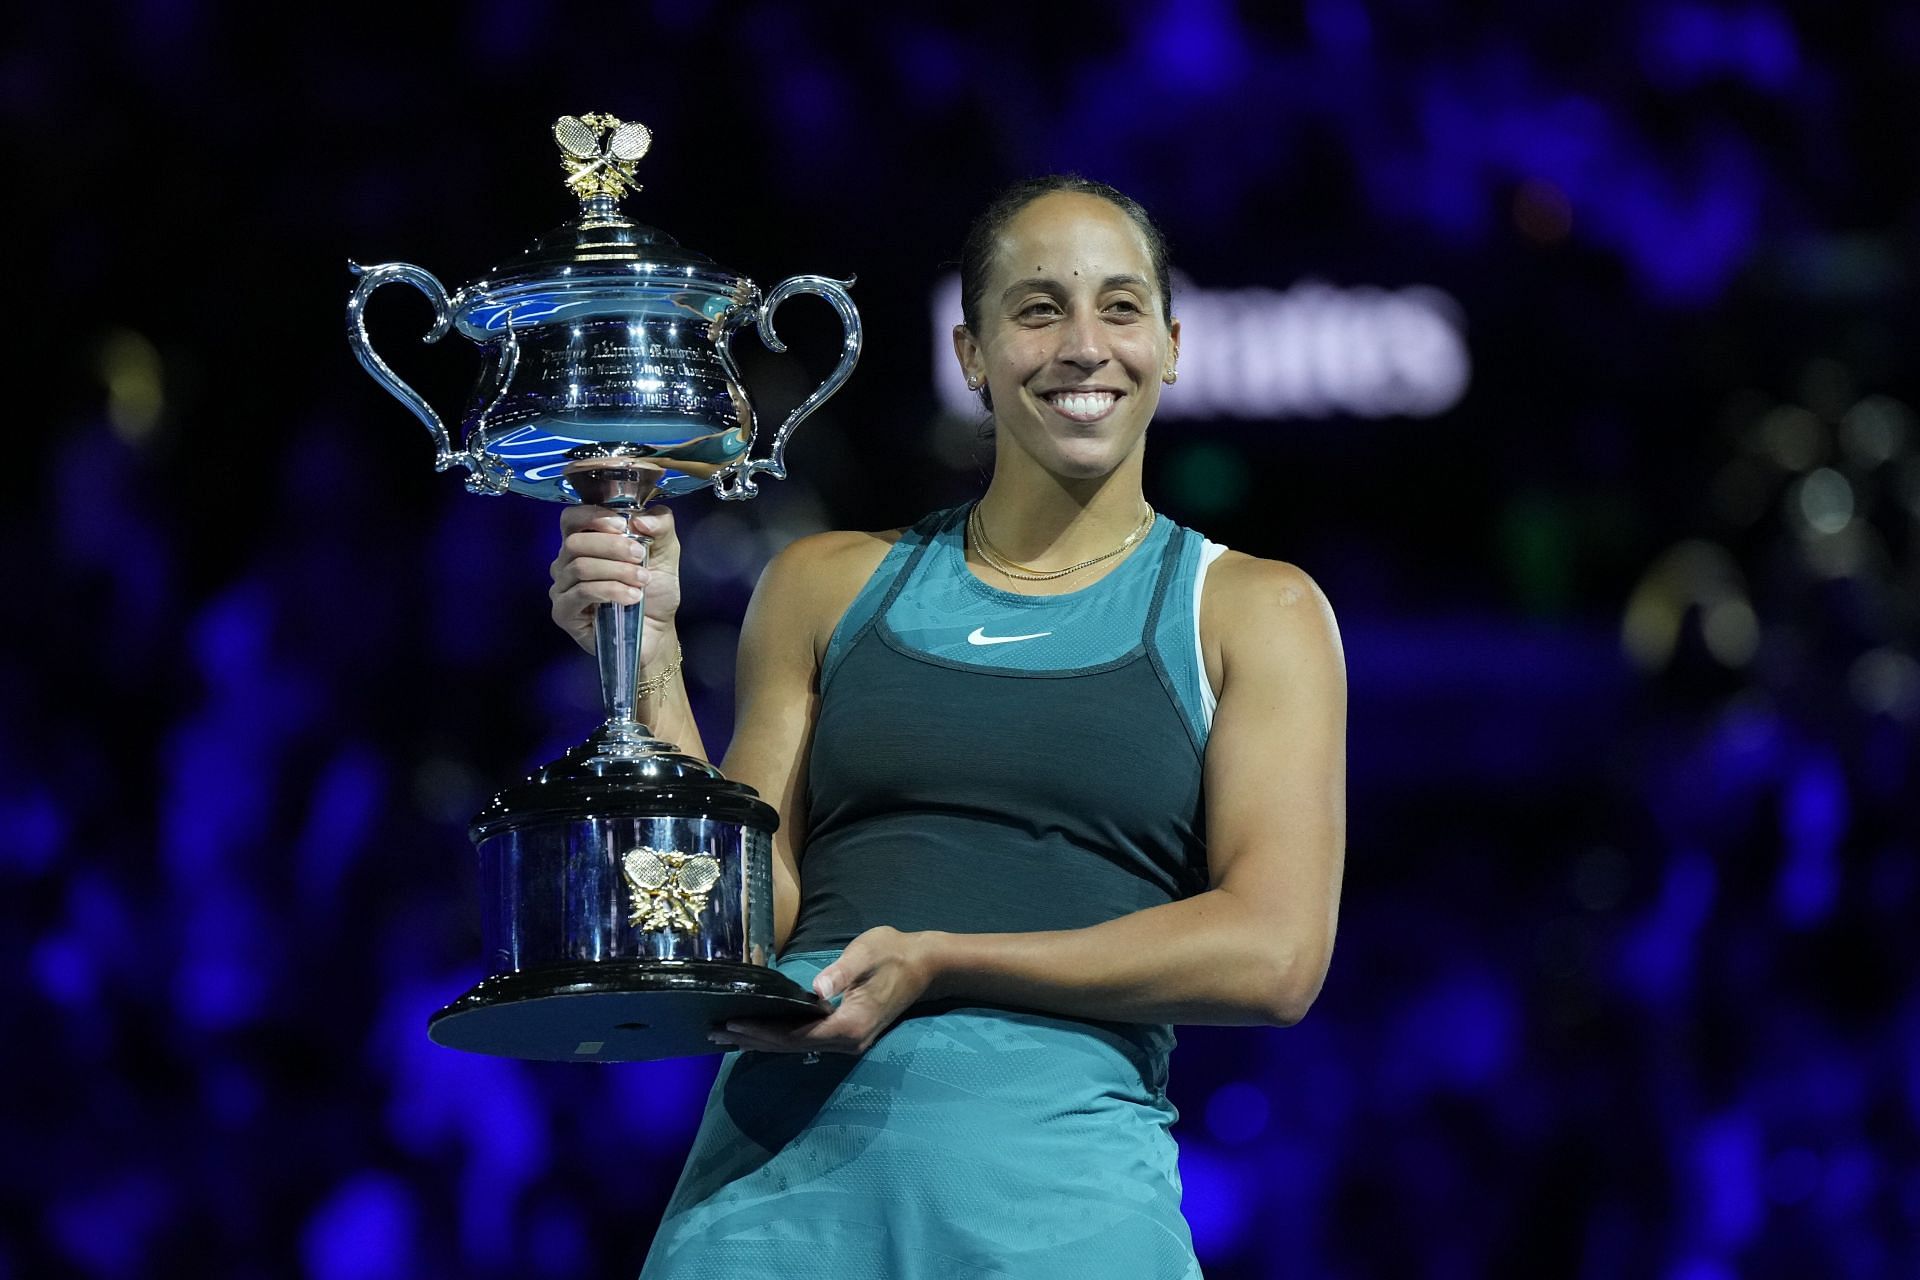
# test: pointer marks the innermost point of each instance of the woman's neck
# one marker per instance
(1046, 521)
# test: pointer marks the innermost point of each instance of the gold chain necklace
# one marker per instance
(1026, 573)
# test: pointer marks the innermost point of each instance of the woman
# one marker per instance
(1053, 773)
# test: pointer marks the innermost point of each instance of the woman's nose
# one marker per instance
(1084, 342)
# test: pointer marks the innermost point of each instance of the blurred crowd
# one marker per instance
(1623, 985)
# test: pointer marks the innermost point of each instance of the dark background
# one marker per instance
(1623, 980)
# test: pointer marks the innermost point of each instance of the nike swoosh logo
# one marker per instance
(979, 636)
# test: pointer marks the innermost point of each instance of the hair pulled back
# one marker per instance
(983, 237)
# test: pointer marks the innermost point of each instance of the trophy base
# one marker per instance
(616, 1010)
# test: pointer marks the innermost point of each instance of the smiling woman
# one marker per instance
(1054, 774)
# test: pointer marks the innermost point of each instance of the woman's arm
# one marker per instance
(795, 606)
(1251, 949)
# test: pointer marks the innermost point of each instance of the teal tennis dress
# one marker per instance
(983, 762)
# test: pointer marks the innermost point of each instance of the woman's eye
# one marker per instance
(1126, 306)
(1039, 309)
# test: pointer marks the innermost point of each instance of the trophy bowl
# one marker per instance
(604, 333)
(627, 900)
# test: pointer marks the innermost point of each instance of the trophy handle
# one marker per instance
(736, 481)
(485, 475)
(372, 278)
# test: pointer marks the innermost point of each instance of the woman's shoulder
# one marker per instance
(836, 553)
(1251, 601)
(850, 553)
(1236, 576)
(814, 579)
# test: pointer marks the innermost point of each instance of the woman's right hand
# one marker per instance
(599, 564)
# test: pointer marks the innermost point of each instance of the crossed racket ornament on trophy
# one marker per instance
(627, 892)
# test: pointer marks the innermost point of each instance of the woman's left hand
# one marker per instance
(880, 974)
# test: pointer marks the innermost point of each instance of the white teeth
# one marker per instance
(1084, 404)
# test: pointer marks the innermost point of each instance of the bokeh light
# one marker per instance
(1570, 352)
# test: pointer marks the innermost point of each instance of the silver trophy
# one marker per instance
(627, 893)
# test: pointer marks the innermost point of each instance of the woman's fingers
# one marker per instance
(567, 570)
(586, 516)
(601, 546)
(600, 561)
(838, 1032)
(568, 574)
(593, 549)
(583, 598)
(654, 522)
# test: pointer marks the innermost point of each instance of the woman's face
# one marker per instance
(1072, 343)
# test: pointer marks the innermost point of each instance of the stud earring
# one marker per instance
(1170, 377)
(973, 384)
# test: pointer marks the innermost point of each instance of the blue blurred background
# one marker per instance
(1621, 526)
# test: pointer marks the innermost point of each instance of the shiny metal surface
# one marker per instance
(626, 888)
(647, 375)
(738, 481)
(605, 333)
(372, 278)
(618, 479)
(616, 640)
(559, 892)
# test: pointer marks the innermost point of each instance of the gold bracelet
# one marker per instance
(654, 684)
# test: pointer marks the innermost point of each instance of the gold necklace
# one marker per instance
(1026, 573)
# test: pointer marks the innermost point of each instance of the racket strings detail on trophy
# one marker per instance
(600, 153)
(668, 890)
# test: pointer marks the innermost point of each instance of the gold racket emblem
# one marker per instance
(598, 152)
(668, 890)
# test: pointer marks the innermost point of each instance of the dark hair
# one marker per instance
(983, 237)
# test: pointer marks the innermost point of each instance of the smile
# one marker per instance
(1082, 406)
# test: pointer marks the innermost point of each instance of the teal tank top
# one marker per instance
(989, 762)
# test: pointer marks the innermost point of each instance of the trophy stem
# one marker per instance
(617, 630)
(613, 476)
